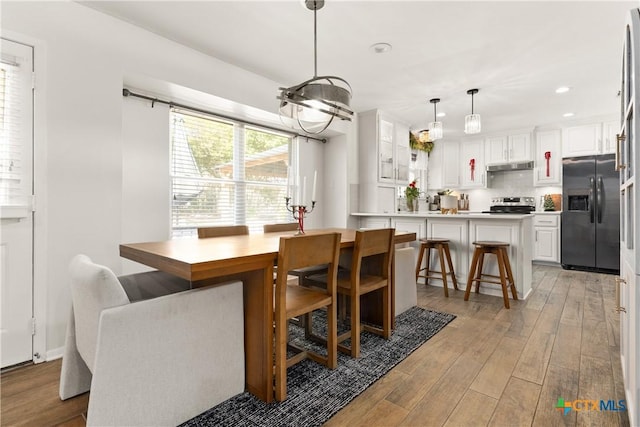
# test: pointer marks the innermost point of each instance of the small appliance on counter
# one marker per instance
(435, 204)
(512, 205)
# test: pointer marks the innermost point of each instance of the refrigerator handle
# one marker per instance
(599, 199)
(591, 212)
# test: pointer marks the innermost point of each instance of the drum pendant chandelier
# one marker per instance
(312, 105)
(472, 122)
(435, 127)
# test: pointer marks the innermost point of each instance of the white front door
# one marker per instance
(16, 213)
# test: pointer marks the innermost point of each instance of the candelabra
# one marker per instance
(299, 212)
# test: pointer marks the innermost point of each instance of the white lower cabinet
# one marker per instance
(546, 238)
(417, 225)
(518, 235)
(457, 231)
(375, 222)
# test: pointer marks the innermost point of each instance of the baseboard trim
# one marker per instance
(55, 354)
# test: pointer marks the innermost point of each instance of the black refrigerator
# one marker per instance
(590, 226)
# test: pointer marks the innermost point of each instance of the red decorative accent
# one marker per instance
(301, 212)
(547, 156)
(472, 164)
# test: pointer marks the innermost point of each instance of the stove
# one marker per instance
(512, 205)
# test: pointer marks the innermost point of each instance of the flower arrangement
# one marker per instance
(421, 142)
(412, 192)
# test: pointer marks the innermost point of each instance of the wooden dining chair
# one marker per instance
(294, 301)
(300, 273)
(280, 227)
(375, 248)
(222, 231)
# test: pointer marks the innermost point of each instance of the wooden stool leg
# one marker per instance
(450, 262)
(428, 269)
(474, 264)
(443, 271)
(507, 264)
(420, 256)
(479, 271)
(503, 278)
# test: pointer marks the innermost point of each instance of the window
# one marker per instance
(225, 172)
(15, 124)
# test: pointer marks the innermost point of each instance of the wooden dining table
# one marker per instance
(249, 258)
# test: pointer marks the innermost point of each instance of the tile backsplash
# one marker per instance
(505, 184)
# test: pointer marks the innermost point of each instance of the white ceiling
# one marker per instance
(516, 53)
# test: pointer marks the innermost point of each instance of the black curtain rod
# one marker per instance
(126, 92)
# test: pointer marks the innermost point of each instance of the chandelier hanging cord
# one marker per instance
(472, 92)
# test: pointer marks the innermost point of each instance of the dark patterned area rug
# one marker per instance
(316, 393)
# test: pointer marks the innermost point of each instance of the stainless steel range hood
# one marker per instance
(510, 167)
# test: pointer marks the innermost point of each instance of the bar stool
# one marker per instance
(499, 249)
(441, 247)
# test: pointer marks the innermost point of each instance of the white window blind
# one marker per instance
(226, 173)
(15, 125)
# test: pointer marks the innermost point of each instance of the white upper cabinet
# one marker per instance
(548, 158)
(471, 164)
(520, 147)
(496, 148)
(514, 147)
(385, 159)
(589, 140)
(584, 140)
(394, 153)
(402, 153)
(609, 132)
(450, 164)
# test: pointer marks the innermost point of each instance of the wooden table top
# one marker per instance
(196, 259)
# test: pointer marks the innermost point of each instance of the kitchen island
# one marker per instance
(462, 230)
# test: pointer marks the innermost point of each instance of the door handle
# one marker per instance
(591, 212)
(599, 199)
(618, 308)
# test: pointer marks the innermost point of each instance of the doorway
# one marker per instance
(17, 325)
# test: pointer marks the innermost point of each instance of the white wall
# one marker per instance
(146, 192)
(105, 153)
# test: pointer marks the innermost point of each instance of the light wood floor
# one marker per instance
(490, 366)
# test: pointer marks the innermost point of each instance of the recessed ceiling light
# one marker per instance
(381, 47)
(563, 89)
(567, 115)
(441, 114)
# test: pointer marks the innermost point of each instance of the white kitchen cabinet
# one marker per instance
(609, 132)
(375, 222)
(520, 147)
(412, 225)
(548, 142)
(546, 241)
(457, 231)
(394, 153)
(385, 158)
(496, 149)
(518, 235)
(511, 148)
(451, 164)
(589, 140)
(582, 140)
(472, 152)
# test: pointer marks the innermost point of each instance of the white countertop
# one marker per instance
(548, 212)
(436, 214)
